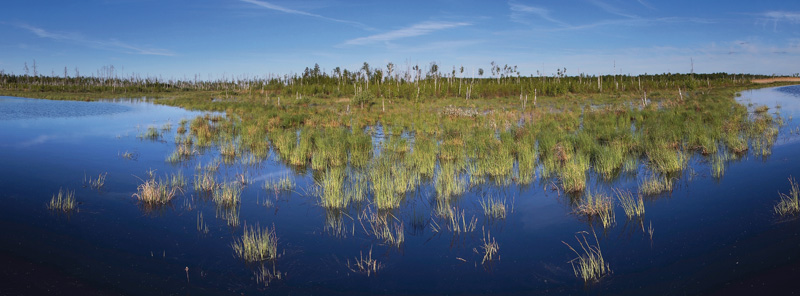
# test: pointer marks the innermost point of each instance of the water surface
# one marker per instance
(711, 236)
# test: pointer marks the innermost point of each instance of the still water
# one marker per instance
(709, 235)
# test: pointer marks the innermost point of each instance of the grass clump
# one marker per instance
(589, 265)
(204, 182)
(666, 160)
(95, 183)
(365, 265)
(633, 207)
(789, 204)
(489, 247)
(155, 192)
(256, 244)
(573, 173)
(152, 133)
(64, 201)
(381, 227)
(177, 180)
(493, 207)
(597, 206)
(654, 185)
(332, 193)
(228, 194)
(283, 183)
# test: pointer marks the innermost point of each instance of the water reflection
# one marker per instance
(461, 191)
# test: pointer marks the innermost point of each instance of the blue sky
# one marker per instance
(181, 39)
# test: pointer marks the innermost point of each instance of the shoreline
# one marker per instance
(775, 79)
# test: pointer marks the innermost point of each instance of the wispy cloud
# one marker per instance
(611, 9)
(775, 17)
(415, 30)
(635, 22)
(267, 5)
(646, 4)
(112, 44)
(520, 13)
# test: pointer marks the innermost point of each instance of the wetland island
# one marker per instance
(532, 154)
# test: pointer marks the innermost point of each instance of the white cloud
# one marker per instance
(520, 13)
(419, 29)
(267, 5)
(775, 17)
(611, 9)
(112, 44)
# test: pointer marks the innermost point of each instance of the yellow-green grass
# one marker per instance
(204, 182)
(789, 204)
(493, 208)
(332, 193)
(228, 194)
(256, 244)
(597, 206)
(155, 192)
(590, 264)
(655, 185)
(95, 183)
(633, 206)
(63, 201)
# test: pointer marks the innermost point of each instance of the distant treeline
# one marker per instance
(390, 83)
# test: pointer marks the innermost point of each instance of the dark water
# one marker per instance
(711, 236)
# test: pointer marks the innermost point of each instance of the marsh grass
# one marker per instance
(573, 173)
(201, 225)
(493, 208)
(609, 160)
(718, 164)
(633, 206)
(597, 206)
(183, 151)
(654, 185)
(281, 184)
(95, 183)
(384, 226)
(335, 224)
(423, 156)
(590, 264)
(332, 194)
(365, 265)
(256, 244)
(360, 145)
(204, 182)
(456, 221)
(155, 192)
(152, 134)
(391, 179)
(63, 201)
(666, 160)
(228, 194)
(128, 155)
(448, 181)
(177, 180)
(789, 204)
(489, 247)
(264, 275)
(229, 214)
